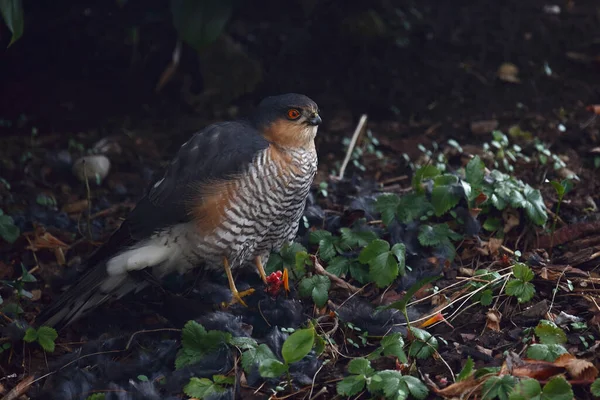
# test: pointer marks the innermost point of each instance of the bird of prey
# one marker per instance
(233, 193)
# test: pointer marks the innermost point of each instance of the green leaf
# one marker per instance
(486, 298)
(326, 243)
(558, 187)
(46, 337)
(445, 180)
(338, 266)
(523, 291)
(399, 251)
(393, 345)
(549, 333)
(352, 239)
(557, 389)
(360, 366)
(492, 224)
(201, 388)
(498, 386)
(403, 302)
(298, 345)
(8, 230)
(526, 389)
(243, 343)
(475, 172)
(223, 380)
(373, 250)
(359, 272)
(423, 344)
(302, 260)
(595, 387)
(256, 356)
(351, 385)
(545, 352)
(387, 205)
(199, 23)
(413, 206)
(316, 286)
(433, 235)
(96, 396)
(197, 342)
(467, 370)
(443, 199)
(12, 13)
(394, 385)
(423, 173)
(535, 207)
(193, 335)
(26, 276)
(272, 368)
(416, 388)
(31, 335)
(522, 272)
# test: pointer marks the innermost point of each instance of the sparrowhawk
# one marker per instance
(233, 193)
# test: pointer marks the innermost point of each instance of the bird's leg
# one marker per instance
(261, 270)
(236, 296)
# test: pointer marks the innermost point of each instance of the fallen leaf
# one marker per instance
(494, 245)
(508, 72)
(577, 368)
(76, 207)
(493, 318)
(511, 220)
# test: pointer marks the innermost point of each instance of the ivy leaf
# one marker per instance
(534, 206)
(360, 366)
(549, 333)
(523, 291)
(498, 386)
(423, 344)
(272, 368)
(351, 385)
(545, 352)
(326, 243)
(475, 172)
(413, 206)
(256, 356)
(352, 239)
(467, 370)
(338, 266)
(433, 235)
(46, 337)
(298, 345)
(12, 13)
(387, 205)
(201, 388)
(316, 286)
(383, 264)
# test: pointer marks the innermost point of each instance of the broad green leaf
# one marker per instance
(302, 260)
(383, 269)
(326, 244)
(445, 180)
(549, 333)
(388, 383)
(197, 342)
(475, 172)
(360, 366)
(393, 345)
(413, 206)
(534, 206)
(467, 370)
(359, 272)
(193, 335)
(96, 396)
(12, 13)
(498, 386)
(8, 230)
(338, 266)
(423, 173)
(423, 344)
(256, 356)
(46, 337)
(443, 198)
(545, 352)
(352, 239)
(432, 235)
(557, 389)
(351, 385)
(522, 272)
(595, 387)
(272, 368)
(26, 276)
(298, 345)
(415, 386)
(223, 380)
(31, 335)
(201, 388)
(486, 297)
(492, 224)
(373, 250)
(558, 187)
(399, 251)
(243, 343)
(199, 23)
(526, 389)
(523, 291)
(387, 205)
(317, 287)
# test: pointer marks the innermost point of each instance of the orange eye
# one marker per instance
(293, 113)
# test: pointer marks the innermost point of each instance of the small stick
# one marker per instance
(357, 132)
(339, 282)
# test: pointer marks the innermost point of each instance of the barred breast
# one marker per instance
(266, 209)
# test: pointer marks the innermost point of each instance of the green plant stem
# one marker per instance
(560, 198)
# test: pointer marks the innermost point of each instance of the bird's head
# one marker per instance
(290, 120)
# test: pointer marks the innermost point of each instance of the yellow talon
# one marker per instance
(236, 297)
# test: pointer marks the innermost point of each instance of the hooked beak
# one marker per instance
(315, 119)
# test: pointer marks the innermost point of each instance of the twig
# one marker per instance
(320, 392)
(357, 132)
(338, 281)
